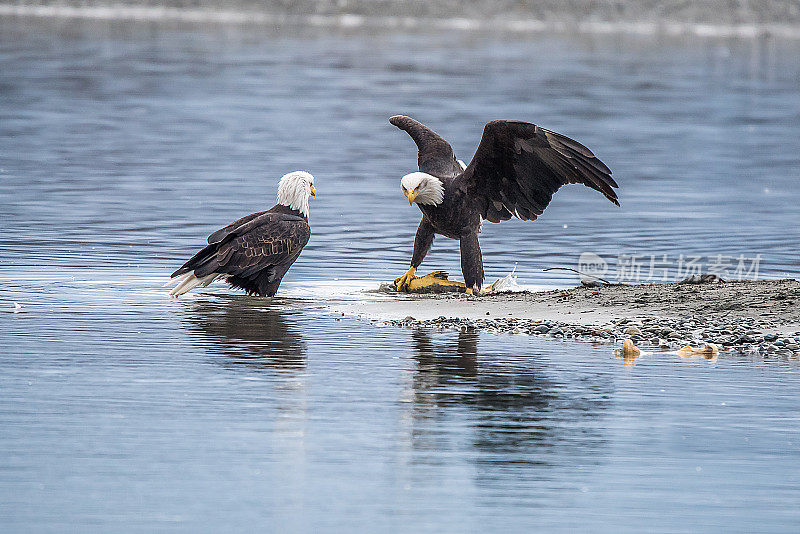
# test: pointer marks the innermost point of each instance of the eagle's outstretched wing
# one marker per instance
(435, 155)
(518, 166)
(253, 255)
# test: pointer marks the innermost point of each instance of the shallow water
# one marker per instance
(122, 146)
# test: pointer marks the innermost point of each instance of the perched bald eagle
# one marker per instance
(514, 173)
(254, 252)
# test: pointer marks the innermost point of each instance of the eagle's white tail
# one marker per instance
(188, 281)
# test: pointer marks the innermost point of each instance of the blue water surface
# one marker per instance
(122, 145)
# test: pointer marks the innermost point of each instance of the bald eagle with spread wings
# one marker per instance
(514, 173)
(254, 252)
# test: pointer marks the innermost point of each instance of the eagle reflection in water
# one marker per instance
(247, 331)
(519, 409)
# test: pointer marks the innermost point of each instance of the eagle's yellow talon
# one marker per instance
(402, 282)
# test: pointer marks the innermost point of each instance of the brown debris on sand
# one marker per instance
(630, 352)
(707, 351)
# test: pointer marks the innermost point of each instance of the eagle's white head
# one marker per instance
(422, 188)
(294, 190)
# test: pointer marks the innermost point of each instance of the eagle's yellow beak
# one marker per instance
(313, 191)
(411, 196)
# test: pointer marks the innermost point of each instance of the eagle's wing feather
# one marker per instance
(270, 239)
(435, 155)
(518, 166)
(253, 255)
(220, 234)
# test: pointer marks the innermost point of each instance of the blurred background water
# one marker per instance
(123, 145)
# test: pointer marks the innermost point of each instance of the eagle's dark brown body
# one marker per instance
(254, 252)
(515, 171)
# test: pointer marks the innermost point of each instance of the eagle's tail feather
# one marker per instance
(177, 279)
(189, 281)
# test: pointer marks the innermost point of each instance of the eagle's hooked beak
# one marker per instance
(411, 196)
(313, 191)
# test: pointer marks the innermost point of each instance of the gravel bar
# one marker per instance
(750, 316)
